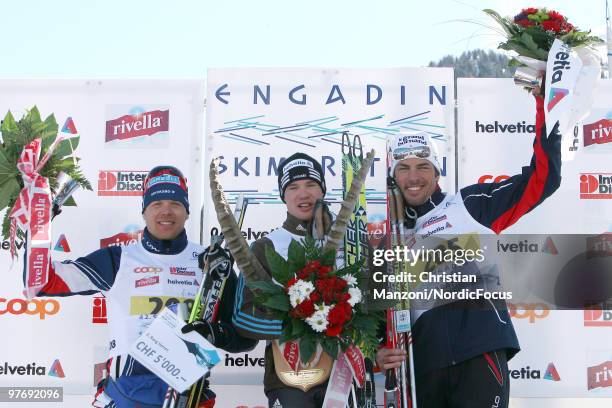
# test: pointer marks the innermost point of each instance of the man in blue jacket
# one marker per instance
(138, 280)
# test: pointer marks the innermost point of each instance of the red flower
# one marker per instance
(303, 310)
(306, 308)
(304, 273)
(314, 296)
(333, 331)
(340, 284)
(323, 271)
(529, 10)
(555, 15)
(339, 314)
(551, 25)
(525, 23)
(566, 27)
(291, 282)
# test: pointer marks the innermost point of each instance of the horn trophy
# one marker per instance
(246, 261)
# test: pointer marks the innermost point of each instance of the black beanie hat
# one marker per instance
(299, 166)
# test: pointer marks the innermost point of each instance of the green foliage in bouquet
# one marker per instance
(16, 135)
(306, 264)
(532, 32)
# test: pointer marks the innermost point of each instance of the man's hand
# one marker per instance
(387, 358)
(213, 332)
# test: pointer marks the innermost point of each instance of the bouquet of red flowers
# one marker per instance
(532, 32)
(317, 303)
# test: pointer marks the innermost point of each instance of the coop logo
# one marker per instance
(122, 239)
(121, 182)
(526, 373)
(489, 178)
(141, 124)
(598, 315)
(599, 132)
(530, 311)
(548, 247)
(496, 127)
(181, 271)
(600, 376)
(35, 307)
(595, 186)
(32, 369)
(147, 269)
(153, 280)
(98, 310)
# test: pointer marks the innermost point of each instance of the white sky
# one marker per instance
(155, 38)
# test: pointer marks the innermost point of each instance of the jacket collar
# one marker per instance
(436, 198)
(164, 246)
(295, 225)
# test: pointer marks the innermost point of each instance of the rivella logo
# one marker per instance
(600, 376)
(153, 280)
(40, 307)
(598, 315)
(527, 373)
(599, 132)
(121, 182)
(129, 236)
(595, 186)
(140, 124)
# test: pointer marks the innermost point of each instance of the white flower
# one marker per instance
(350, 280)
(299, 291)
(318, 321)
(355, 296)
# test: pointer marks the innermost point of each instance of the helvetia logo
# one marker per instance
(32, 369)
(599, 132)
(142, 124)
(600, 376)
(548, 247)
(62, 244)
(595, 186)
(496, 127)
(121, 182)
(56, 370)
(554, 97)
(527, 373)
(122, 239)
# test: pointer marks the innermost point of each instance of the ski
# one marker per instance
(206, 304)
(356, 247)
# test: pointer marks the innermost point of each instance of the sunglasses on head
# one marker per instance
(421, 152)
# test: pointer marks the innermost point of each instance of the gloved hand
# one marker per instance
(213, 332)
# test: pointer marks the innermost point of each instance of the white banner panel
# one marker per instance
(257, 117)
(126, 128)
(564, 353)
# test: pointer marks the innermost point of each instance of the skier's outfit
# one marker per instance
(255, 322)
(138, 280)
(456, 343)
